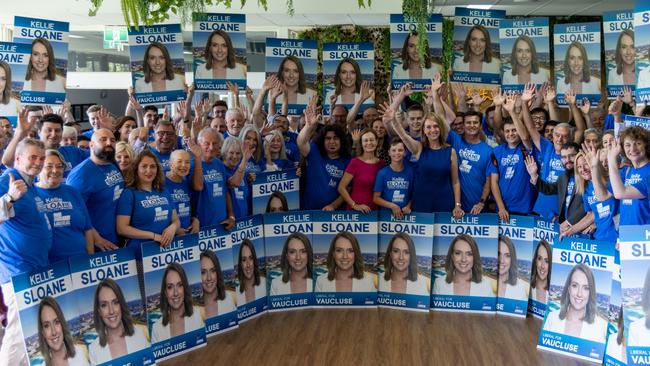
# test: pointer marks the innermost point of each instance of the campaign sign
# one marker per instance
(43, 84)
(631, 120)
(219, 49)
(514, 265)
(618, 30)
(406, 66)
(295, 63)
(282, 185)
(578, 306)
(289, 259)
(109, 299)
(14, 59)
(635, 284)
(345, 67)
(525, 53)
(345, 258)
(404, 263)
(482, 64)
(545, 233)
(615, 349)
(157, 64)
(45, 296)
(250, 266)
(465, 264)
(577, 40)
(218, 280)
(173, 288)
(642, 46)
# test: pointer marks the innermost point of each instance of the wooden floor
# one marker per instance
(376, 337)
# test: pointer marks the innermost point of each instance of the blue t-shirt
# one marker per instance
(240, 196)
(69, 218)
(473, 163)
(89, 133)
(291, 146)
(26, 238)
(322, 179)
(514, 180)
(163, 158)
(253, 166)
(73, 156)
(550, 169)
(282, 164)
(604, 213)
(395, 187)
(635, 211)
(181, 194)
(211, 201)
(149, 211)
(100, 187)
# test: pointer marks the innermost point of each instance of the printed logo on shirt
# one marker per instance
(603, 210)
(465, 167)
(551, 177)
(397, 183)
(213, 175)
(633, 179)
(239, 194)
(398, 197)
(556, 164)
(469, 154)
(510, 159)
(61, 220)
(217, 190)
(40, 205)
(569, 193)
(161, 215)
(153, 201)
(57, 204)
(179, 195)
(510, 172)
(113, 177)
(117, 192)
(333, 171)
(183, 209)
(591, 199)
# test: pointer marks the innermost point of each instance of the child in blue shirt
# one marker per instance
(394, 183)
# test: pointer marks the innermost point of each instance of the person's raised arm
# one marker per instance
(570, 97)
(414, 146)
(234, 89)
(526, 96)
(498, 99)
(304, 137)
(236, 179)
(509, 106)
(22, 130)
(460, 92)
(593, 157)
(404, 92)
(584, 109)
(197, 172)
(438, 107)
(541, 185)
(549, 101)
(274, 93)
(268, 84)
(366, 93)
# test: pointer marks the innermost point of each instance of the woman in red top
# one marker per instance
(361, 172)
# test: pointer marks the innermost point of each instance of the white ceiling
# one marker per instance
(308, 12)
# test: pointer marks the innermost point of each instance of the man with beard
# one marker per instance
(100, 183)
(5, 125)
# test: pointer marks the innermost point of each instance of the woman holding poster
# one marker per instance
(41, 71)
(158, 71)
(116, 334)
(292, 76)
(178, 315)
(577, 76)
(252, 285)
(220, 60)
(401, 268)
(8, 105)
(296, 265)
(477, 53)
(509, 285)
(639, 332)
(56, 343)
(216, 299)
(345, 267)
(525, 65)
(624, 58)
(578, 313)
(464, 270)
(541, 271)
(411, 67)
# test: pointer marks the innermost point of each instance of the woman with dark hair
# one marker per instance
(8, 106)
(411, 67)
(116, 334)
(125, 125)
(624, 57)
(347, 82)
(216, 300)
(292, 76)
(477, 53)
(577, 76)
(252, 283)
(277, 203)
(401, 268)
(541, 271)
(41, 72)
(345, 267)
(578, 313)
(55, 340)
(525, 65)
(464, 271)
(639, 332)
(158, 71)
(220, 61)
(509, 285)
(296, 264)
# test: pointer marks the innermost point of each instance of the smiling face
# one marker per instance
(179, 163)
(210, 146)
(627, 50)
(579, 290)
(504, 260)
(247, 262)
(40, 58)
(471, 125)
(31, 160)
(174, 290)
(343, 254)
(3, 80)
(290, 74)
(52, 329)
(156, 61)
(233, 156)
(576, 62)
(123, 160)
(347, 75)
(634, 149)
(431, 130)
(218, 48)
(52, 172)
(147, 170)
(400, 255)
(126, 129)
(523, 53)
(369, 142)
(51, 134)
(332, 143)
(165, 138)
(511, 135)
(542, 263)
(463, 257)
(584, 169)
(297, 255)
(477, 43)
(208, 276)
(251, 140)
(109, 308)
(379, 128)
(397, 152)
(412, 47)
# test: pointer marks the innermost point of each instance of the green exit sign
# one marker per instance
(115, 37)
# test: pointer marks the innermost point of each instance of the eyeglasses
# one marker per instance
(165, 133)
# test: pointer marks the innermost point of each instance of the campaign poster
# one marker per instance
(218, 280)
(45, 299)
(618, 30)
(272, 190)
(44, 77)
(465, 263)
(345, 67)
(406, 65)
(578, 305)
(635, 284)
(345, 258)
(295, 63)
(545, 233)
(157, 63)
(476, 50)
(404, 263)
(515, 256)
(14, 60)
(172, 280)
(642, 47)
(577, 61)
(525, 53)
(250, 266)
(219, 49)
(289, 259)
(631, 120)
(111, 308)
(615, 349)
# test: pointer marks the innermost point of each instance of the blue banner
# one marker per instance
(345, 67)
(631, 120)
(14, 59)
(641, 43)
(515, 265)
(618, 30)
(280, 185)
(525, 53)
(545, 233)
